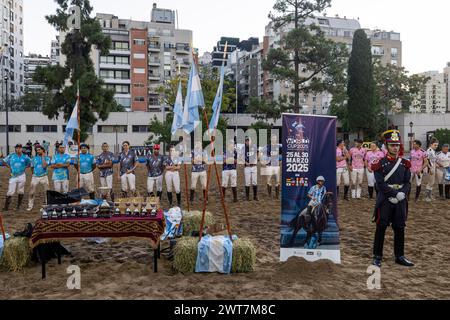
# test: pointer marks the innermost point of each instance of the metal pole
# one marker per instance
(237, 93)
(7, 115)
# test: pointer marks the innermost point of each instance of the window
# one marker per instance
(324, 22)
(12, 128)
(107, 59)
(39, 128)
(107, 74)
(139, 70)
(89, 130)
(139, 56)
(121, 46)
(139, 42)
(122, 89)
(112, 129)
(122, 74)
(153, 101)
(394, 62)
(394, 52)
(167, 73)
(139, 85)
(124, 102)
(139, 99)
(140, 129)
(122, 60)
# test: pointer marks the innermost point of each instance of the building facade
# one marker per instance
(11, 49)
(55, 51)
(434, 95)
(31, 62)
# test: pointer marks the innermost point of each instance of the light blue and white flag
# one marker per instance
(215, 254)
(194, 100)
(217, 105)
(178, 111)
(72, 125)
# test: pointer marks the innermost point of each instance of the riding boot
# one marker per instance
(92, 195)
(179, 199)
(379, 241)
(170, 197)
(277, 192)
(399, 242)
(447, 191)
(205, 196)
(418, 192)
(124, 194)
(112, 196)
(441, 191)
(337, 192)
(235, 199)
(255, 193)
(7, 203)
(159, 195)
(192, 196)
(269, 191)
(247, 193)
(346, 190)
(370, 189)
(19, 201)
(224, 192)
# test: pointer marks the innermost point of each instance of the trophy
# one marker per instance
(74, 213)
(117, 211)
(54, 214)
(136, 208)
(44, 214)
(85, 213)
(128, 211)
(144, 209)
(64, 213)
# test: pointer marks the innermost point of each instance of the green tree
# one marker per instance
(306, 59)
(362, 110)
(396, 90)
(443, 135)
(79, 69)
(267, 111)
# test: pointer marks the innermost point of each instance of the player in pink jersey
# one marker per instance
(373, 155)
(357, 154)
(418, 164)
(342, 156)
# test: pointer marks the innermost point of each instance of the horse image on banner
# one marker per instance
(309, 216)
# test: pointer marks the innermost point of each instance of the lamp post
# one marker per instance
(6, 113)
(411, 135)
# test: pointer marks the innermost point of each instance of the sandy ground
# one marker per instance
(124, 270)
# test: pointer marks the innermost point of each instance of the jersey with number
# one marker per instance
(18, 164)
(372, 156)
(343, 163)
(38, 167)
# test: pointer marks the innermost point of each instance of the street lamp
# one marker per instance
(411, 135)
(6, 113)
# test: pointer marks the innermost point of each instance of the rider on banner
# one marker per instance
(393, 179)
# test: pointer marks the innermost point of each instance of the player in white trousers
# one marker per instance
(251, 169)
(357, 154)
(342, 156)
(229, 173)
(39, 167)
(173, 166)
(128, 162)
(155, 166)
(60, 165)
(372, 156)
(431, 170)
(443, 165)
(199, 168)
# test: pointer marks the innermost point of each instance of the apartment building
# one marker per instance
(55, 51)
(11, 49)
(433, 97)
(31, 62)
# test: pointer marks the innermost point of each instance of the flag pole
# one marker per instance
(186, 182)
(3, 228)
(222, 196)
(79, 133)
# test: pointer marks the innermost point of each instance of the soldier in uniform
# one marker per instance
(155, 167)
(393, 179)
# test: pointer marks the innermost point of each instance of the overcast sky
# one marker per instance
(423, 25)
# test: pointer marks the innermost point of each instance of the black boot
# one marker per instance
(277, 192)
(346, 190)
(170, 197)
(124, 194)
(205, 196)
(418, 192)
(7, 203)
(19, 201)
(379, 241)
(112, 196)
(441, 191)
(399, 248)
(269, 191)
(370, 189)
(224, 192)
(337, 192)
(159, 195)
(179, 199)
(192, 197)
(92, 195)
(235, 198)
(255, 193)
(447, 191)
(247, 193)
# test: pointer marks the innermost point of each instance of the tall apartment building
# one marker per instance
(386, 46)
(55, 51)
(434, 95)
(12, 48)
(31, 62)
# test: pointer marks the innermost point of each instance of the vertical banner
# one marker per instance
(309, 152)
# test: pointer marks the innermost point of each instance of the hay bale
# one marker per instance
(16, 254)
(185, 255)
(192, 221)
(244, 256)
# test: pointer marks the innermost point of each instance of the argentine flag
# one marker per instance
(217, 103)
(215, 254)
(72, 125)
(178, 111)
(194, 100)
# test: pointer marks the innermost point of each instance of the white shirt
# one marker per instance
(432, 157)
(443, 159)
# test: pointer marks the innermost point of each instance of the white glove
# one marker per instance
(393, 200)
(401, 196)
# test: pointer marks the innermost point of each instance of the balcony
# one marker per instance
(120, 52)
(154, 76)
(153, 62)
(154, 47)
(111, 66)
(183, 50)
